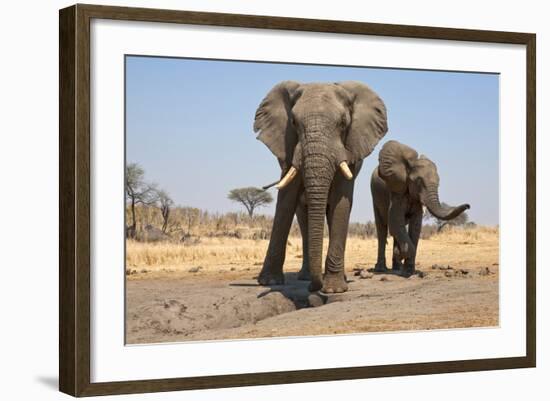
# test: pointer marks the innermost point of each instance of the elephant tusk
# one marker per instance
(345, 170)
(266, 187)
(289, 176)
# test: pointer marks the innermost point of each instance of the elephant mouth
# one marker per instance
(293, 171)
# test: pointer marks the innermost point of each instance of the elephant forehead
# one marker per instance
(423, 161)
(318, 98)
(325, 92)
(426, 168)
(316, 86)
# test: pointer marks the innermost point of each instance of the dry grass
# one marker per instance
(477, 246)
(209, 250)
(458, 247)
(458, 234)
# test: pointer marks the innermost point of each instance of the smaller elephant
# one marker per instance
(401, 185)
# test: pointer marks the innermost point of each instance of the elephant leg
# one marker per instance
(396, 264)
(301, 215)
(338, 213)
(397, 226)
(382, 235)
(272, 270)
(415, 228)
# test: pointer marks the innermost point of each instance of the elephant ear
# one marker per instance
(394, 164)
(273, 121)
(368, 120)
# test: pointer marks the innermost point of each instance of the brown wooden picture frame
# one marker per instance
(74, 199)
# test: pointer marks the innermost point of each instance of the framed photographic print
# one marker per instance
(383, 223)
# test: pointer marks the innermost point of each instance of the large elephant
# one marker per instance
(320, 133)
(401, 185)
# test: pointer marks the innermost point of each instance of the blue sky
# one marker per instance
(189, 125)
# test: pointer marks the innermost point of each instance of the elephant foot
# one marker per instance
(380, 268)
(267, 278)
(303, 274)
(335, 283)
(408, 270)
(316, 284)
(397, 266)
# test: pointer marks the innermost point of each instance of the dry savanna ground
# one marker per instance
(207, 290)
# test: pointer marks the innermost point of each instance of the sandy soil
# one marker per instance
(456, 287)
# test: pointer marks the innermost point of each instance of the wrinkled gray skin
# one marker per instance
(314, 127)
(401, 185)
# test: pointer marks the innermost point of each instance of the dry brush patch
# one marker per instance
(478, 246)
(209, 251)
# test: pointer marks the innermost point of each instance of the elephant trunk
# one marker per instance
(431, 200)
(319, 170)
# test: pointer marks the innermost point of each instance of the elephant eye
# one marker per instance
(344, 121)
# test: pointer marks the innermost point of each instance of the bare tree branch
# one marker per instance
(138, 192)
(165, 203)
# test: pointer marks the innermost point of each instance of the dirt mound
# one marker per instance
(218, 308)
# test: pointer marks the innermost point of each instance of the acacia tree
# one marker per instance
(459, 220)
(250, 197)
(138, 192)
(165, 204)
